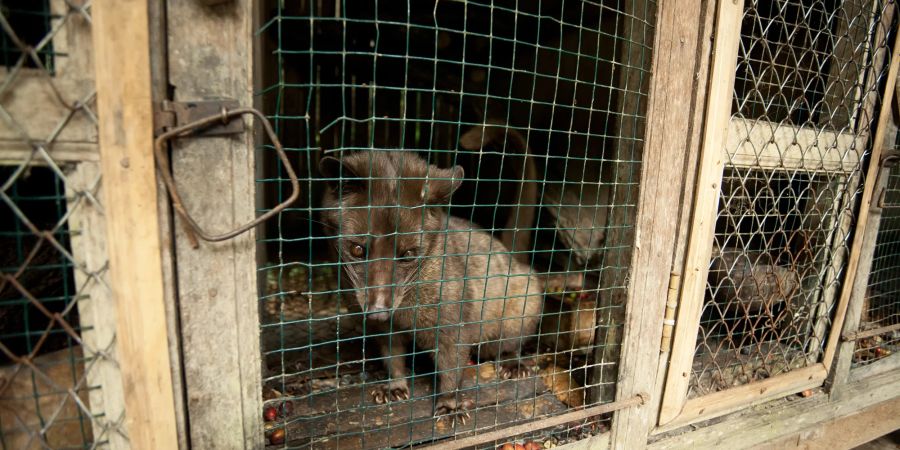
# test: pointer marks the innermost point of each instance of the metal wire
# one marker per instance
(881, 307)
(531, 100)
(50, 352)
(809, 75)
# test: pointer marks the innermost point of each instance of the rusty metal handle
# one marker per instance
(162, 163)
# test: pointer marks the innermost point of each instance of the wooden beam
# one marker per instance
(712, 162)
(125, 111)
(879, 367)
(13, 152)
(844, 432)
(744, 396)
(96, 308)
(759, 143)
(671, 138)
(217, 282)
(159, 74)
(767, 423)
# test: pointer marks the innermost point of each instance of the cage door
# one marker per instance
(791, 114)
(871, 332)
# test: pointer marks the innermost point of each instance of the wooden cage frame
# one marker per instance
(722, 132)
(182, 298)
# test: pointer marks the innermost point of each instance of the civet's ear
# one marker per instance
(442, 183)
(340, 176)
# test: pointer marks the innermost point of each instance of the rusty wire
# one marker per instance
(45, 401)
(808, 78)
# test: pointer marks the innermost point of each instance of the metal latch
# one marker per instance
(211, 118)
(171, 114)
(888, 161)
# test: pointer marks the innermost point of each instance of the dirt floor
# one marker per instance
(321, 369)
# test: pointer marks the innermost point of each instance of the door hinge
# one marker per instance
(169, 114)
(671, 306)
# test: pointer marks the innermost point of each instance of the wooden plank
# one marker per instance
(160, 88)
(758, 143)
(72, 78)
(16, 151)
(718, 113)
(96, 306)
(30, 88)
(888, 364)
(767, 422)
(669, 143)
(124, 104)
(730, 400)
(211, 55)
(866, 202)
(692, 167)
(845, 432)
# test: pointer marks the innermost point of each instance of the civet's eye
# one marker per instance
(357, 251)
(410, 254)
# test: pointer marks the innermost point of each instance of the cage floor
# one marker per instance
(318, 359)
(349, 418)
(727, 368)
(878, 347)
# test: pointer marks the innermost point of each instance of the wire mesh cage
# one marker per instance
(58, 376)
(881, 306)
(465, 167)
(809, 76)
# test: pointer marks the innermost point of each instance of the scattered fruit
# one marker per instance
(277, 437)
(531, 445)
(520, 447)
(507, 446)
(270, 413)
(549, 444)
(806, 393)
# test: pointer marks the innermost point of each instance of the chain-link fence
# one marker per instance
(469, 171)
(59, 383)
(808, 82)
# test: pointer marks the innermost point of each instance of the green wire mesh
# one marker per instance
(562, 87)
(809, 79)
(52, 326)
(32, 21)
(881, 307)
(34, 270)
